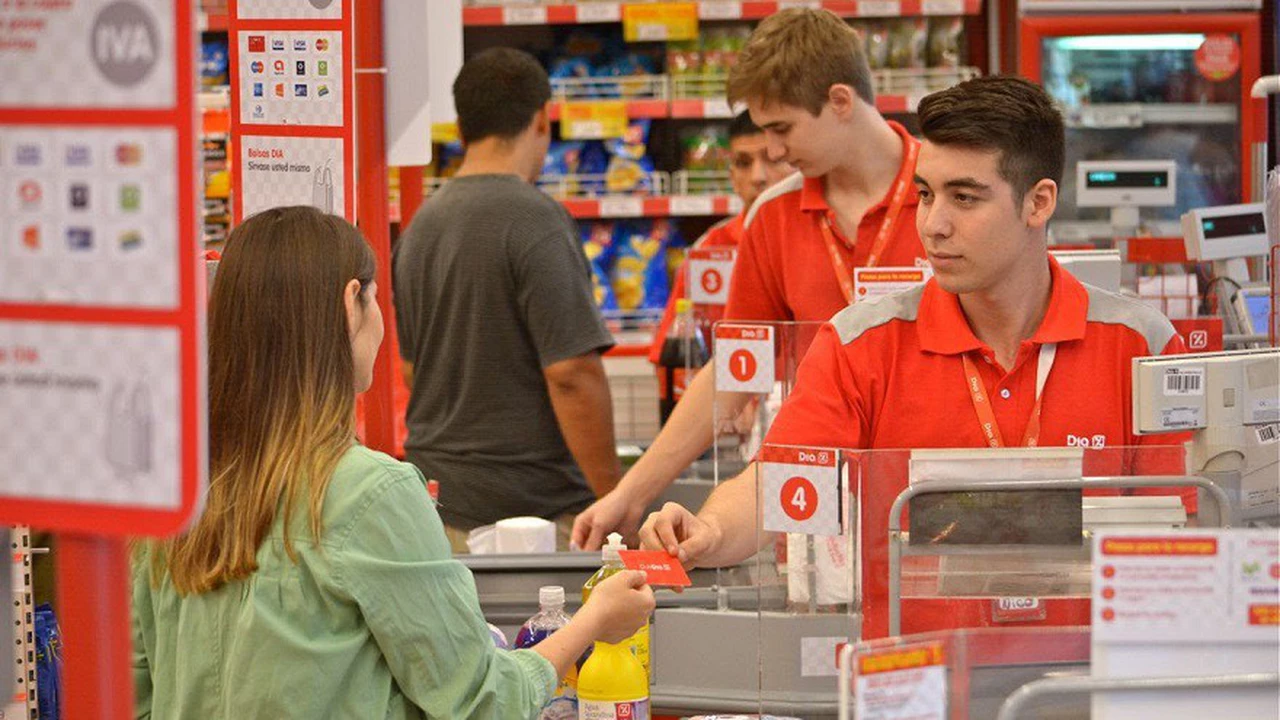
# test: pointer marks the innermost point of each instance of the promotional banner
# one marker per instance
(292, 83)
(101, 286)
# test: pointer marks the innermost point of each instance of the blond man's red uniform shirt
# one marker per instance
(726, 233)
(890, 374)
(784, 270)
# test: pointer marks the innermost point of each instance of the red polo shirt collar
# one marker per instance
(944, 329)
(813, 194)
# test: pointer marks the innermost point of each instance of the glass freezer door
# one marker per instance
(1145, 97)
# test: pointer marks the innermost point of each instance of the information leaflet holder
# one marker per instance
(101, 306)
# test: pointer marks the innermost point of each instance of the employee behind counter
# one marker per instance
(1002, 340)
(318, 580)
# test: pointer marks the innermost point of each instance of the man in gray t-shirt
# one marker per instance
(498, 328)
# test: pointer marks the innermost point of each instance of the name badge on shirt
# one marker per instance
(870, 283)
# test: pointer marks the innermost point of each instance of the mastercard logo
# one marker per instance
(322, 44)
(257, 67)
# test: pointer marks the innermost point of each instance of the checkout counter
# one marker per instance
(907, 546)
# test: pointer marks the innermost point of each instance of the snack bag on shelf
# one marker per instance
(560, 168)
(213, 63)
(628, 65)
(448, 160)
(640, 278)
(629, 165)
(597, 244)
(706, 149)
(593, 163)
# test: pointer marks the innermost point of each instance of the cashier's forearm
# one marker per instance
(580, 398)
(733, 508)
(687, 434)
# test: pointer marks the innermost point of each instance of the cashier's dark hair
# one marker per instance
(498, 92)
(1001, 113)
(281, 388)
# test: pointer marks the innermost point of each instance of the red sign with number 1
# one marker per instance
(744, 358)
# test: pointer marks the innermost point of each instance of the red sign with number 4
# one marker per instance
(802, 490)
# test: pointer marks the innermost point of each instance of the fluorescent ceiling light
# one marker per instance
(1190, 41)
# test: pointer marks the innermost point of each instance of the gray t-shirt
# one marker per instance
(492, 286)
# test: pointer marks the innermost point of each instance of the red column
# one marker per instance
(371, 209)
(93, 609)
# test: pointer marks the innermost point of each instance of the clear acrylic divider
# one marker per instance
(904, 542)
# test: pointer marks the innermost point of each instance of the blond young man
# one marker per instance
(805, 80)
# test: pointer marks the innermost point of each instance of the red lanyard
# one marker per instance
(899, 195)
(982, 402)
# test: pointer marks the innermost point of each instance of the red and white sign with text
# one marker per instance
(291, 105)
(101, 285)
(744, 356)
(710, 270)
(901, 684)
(801, 490)
(870, 283)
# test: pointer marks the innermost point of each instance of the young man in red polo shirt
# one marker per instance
(805, 80)
(751, 171)
(1001, 348)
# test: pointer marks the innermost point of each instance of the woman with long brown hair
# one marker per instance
(318, 581)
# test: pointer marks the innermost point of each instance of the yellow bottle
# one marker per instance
(639, 643)
(612, 685)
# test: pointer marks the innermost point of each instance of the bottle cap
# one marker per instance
(611, 548)
(683, 305)
(551, 596)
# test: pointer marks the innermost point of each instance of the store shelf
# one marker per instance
(673, 196)
(488, 15)
(1133, 115)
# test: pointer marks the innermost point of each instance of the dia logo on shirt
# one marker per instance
(1097, 442)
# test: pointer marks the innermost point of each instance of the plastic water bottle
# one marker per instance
(551, 616)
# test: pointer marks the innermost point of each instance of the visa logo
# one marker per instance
(28, 155)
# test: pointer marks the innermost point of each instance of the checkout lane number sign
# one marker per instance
(802, 490)
(744, 358)
(709, 271)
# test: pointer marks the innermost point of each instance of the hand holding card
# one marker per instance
(659, 568)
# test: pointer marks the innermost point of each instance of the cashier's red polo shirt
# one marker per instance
(888, 373)
(726, 233)
(784, 271)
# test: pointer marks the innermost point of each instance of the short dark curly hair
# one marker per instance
(498, 92)
(1004, 113)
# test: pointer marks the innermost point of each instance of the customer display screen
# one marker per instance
(1127, 179)
(1225, 226)
(1259, 307)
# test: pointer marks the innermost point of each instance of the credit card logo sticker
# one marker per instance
(78, 156)
(28, 155)
(277, 67)
(322, 44)
(257, 43)
(79, 239)
(277, 44)
(322, 91)
(256, 67)
(31, 239)
(130, 198)
(128, 154)
(79, 196)
(300, 67)
(30, 195)
(300, 90)
(299, 44)
(258, 90)
(130, 240)
(322, 68)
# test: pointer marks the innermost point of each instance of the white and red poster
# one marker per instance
(291, 105)
(101, 285)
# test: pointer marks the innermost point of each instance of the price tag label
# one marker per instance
(879, 8)
(942, 7)
(593, 119)
(621, 207)
(599, 12)
(692, 205)
(717, 108)
(744, 358)
(524, 15)
(802, 492)
(670, 21)
(659, 568)
(720, 10)
(709, 273)
(872, 283)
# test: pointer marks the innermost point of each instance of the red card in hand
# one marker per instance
(658, 566)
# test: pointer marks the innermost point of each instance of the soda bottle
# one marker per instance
(683, 352)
